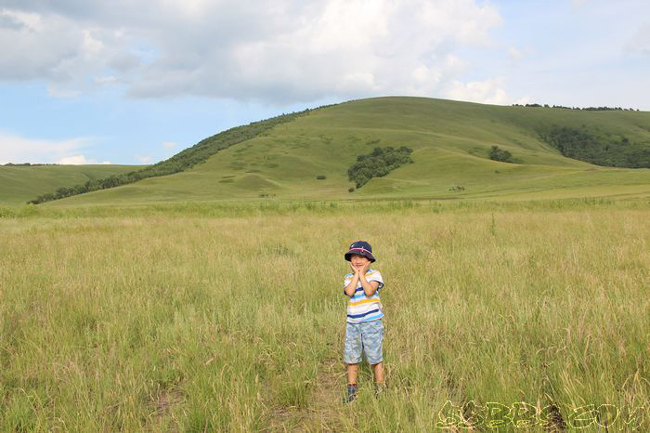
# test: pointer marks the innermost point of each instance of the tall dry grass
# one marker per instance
(187, 321)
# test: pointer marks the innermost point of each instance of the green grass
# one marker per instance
(19, 184)
(451, 142)
(230, 316)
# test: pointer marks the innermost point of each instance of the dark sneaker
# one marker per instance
(380, 388)
(352, 394)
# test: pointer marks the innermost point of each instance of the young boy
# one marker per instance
(364, 331)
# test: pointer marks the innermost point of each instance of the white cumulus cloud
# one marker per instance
(79, 160)
(488, 92)
(17, 149)
(282, 51)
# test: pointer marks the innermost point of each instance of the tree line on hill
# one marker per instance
(26, 164)
(379, 163)
(584, 146)
(576, 108)
(182, 161)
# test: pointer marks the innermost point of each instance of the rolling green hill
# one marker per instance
(451, 142)
(20, 183)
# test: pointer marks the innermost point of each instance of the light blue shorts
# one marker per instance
(364, 337)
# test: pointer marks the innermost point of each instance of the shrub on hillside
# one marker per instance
(501, 155)
(379, 163)
(321, 177)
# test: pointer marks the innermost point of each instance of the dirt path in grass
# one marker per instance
(322, 414)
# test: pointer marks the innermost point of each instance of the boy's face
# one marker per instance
(358, 261)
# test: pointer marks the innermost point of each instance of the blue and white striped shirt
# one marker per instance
(362, 308)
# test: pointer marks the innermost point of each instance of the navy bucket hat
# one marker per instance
(361, 248)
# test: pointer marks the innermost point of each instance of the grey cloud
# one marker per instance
(28, 55)
(124, 62)
(11, 23)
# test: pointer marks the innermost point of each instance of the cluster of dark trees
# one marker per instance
(497, 154)
(576, 108)
(182, 161)
(379, 163)
(25, 164)
(584, 146)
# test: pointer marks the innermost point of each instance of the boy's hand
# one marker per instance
(365, 268)
(354, 270)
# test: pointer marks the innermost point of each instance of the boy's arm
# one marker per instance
(352, 287)
(369, 287)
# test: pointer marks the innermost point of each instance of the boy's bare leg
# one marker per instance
(353, 369)
(378, 371)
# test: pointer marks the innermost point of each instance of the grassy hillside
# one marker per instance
(450, 141)
(18, 183)
(180, 162)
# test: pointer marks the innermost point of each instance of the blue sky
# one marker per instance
(132, 82)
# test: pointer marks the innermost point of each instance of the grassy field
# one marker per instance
(451, 141)
(19, 184)
(204, 317)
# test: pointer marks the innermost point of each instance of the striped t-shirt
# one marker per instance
(362, 308)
